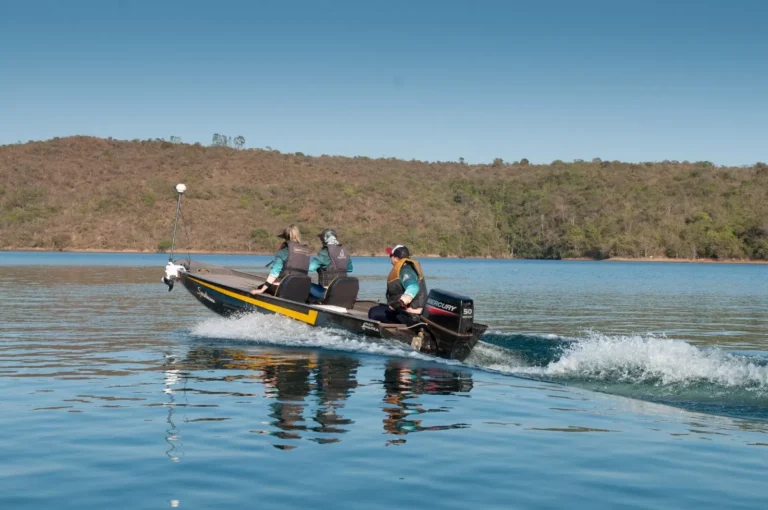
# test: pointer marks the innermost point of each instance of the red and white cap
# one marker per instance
(399, 251)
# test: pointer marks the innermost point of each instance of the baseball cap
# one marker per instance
(399, 251)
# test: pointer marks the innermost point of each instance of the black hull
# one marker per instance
(226, 292)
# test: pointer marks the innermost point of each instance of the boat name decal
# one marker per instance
(309, 317)
(201, 293)
(441, 305)
(370, 326)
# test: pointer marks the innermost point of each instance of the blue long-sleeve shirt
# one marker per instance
(277, 263)
(410, 281)
(323, 260)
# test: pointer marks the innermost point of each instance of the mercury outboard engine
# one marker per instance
(450, 319)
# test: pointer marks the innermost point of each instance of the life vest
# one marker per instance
(395, 288)
(297, 261)
(338, 266)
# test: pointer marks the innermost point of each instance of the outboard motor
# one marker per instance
(449, 318)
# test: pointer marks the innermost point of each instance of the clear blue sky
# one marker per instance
(433, 80)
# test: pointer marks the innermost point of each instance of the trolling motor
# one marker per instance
(172, 270)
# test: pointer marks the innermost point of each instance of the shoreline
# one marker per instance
(665, 259)
(383, 254)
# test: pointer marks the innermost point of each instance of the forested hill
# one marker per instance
(91, 193)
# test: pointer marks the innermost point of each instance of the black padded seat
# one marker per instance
(294, 288)
(342, 292)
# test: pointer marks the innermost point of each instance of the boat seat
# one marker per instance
(342, 292)
(333, 308)
(294, 288)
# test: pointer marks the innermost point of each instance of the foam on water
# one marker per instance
(494, 357)
(265, 329)
(645, 367)
(640, 359)
(659, 361)
(656, 360)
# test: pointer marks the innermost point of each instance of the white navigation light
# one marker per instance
(180, 188)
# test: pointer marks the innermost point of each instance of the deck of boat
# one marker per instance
(246, 282)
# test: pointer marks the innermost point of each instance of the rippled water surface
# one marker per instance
(599, 385)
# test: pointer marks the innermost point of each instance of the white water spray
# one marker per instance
(277, 330)
(651, 359)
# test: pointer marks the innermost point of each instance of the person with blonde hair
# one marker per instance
(291, 259)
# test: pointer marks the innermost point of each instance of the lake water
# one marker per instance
(599, 385)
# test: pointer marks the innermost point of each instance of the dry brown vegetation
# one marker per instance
(91, 193)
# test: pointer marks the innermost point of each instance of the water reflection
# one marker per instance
(288, 382)
(335, 379)
(308, 390)
(171, 377)
(403, 384)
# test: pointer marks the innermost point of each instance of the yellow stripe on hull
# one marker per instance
(310, 317)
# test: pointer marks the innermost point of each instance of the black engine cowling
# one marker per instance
(450, 318)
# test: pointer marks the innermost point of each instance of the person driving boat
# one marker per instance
(406, 289)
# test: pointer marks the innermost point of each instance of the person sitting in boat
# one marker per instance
(292, 258)
(332, 261)
(406, 289)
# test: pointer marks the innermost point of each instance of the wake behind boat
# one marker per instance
(445, 328)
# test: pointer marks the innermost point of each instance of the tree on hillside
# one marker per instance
(239, 142)
(220, 140)
(498, 162)
(175, 139)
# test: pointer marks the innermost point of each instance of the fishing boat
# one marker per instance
(446, 327)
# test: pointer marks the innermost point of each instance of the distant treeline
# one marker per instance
(82, 192)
